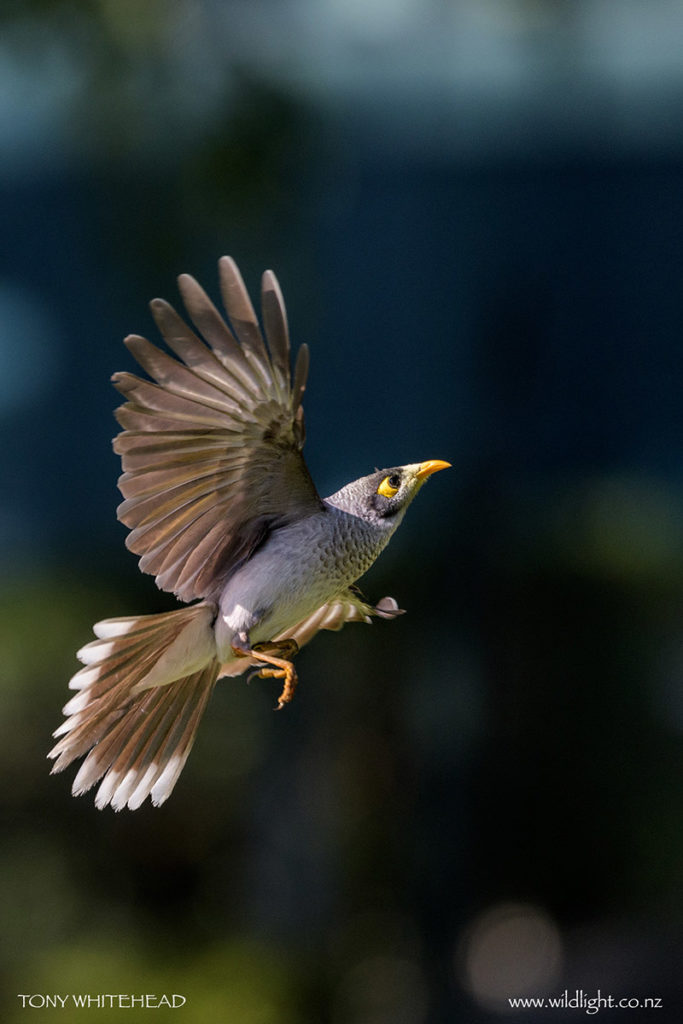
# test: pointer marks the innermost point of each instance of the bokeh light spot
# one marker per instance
(28, 348)
(513, 949)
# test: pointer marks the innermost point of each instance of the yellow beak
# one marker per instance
(431, 466)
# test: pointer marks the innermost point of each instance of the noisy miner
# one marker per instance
(223, 512)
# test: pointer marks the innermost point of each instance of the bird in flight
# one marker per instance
(224, 514)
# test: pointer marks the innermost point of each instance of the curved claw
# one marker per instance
(290, 678)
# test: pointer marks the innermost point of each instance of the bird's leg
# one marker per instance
(286, 648)
(271, 653)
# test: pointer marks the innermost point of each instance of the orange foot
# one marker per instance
(281, 667)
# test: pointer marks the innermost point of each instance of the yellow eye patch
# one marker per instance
(389, 486)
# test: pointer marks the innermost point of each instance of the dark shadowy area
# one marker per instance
(476, 217)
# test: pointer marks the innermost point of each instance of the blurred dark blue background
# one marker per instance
(475, 211)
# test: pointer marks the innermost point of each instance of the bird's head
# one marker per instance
(383, 497)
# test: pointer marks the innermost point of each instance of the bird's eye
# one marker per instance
(389, 486)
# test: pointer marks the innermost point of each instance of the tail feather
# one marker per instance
(138, 732)
(145, 751)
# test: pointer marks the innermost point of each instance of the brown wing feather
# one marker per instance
(211, 445)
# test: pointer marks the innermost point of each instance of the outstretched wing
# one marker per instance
(211, 447)
(348, 606)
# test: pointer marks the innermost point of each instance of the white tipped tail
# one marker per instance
(142, 693)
